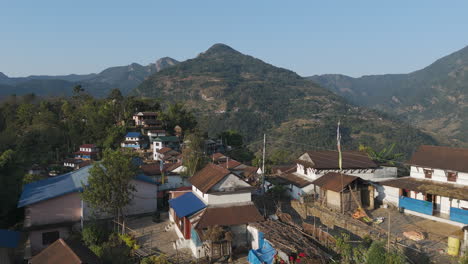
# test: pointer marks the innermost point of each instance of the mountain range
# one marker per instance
(435, 98)
(230, 90)
(100, 84)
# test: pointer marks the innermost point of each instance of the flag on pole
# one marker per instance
(338, 145)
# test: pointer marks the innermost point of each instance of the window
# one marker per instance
(50, 237)
(428, 174)
(452, 176)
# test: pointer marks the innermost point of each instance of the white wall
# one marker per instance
(145, 201)
(438, 175)
(228, 198)
(254, 239)
(387, 195)
(173, 182)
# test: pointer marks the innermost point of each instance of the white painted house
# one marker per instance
(218, 197)
(437, 187)
(314, 164)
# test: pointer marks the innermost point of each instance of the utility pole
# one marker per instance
(340, 165)
(263, 164)
(388, 236)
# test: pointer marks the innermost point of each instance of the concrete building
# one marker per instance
(134, 140)
(53, 207)
(218, 198)
(437, 187)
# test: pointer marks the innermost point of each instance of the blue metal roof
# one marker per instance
(53, 187)
(9, 238)
(133, 134)
(60, 185)
(186, 205)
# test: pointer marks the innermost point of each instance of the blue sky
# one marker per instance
(309, 37)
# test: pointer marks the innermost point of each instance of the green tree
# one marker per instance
(193, 156)
(177, 115)
(384, 156)
(109, 188)
(10, 180)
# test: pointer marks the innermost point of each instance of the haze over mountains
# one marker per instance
(230, 90)
(124, 78)
(434, 99)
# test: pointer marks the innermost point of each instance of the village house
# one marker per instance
(166, 155)
(76, 163)
(134, 140)
(342, 192)
(160, 142)
(218, 198)
(217, 158)
(61, 251)
(166, 179)
(315, 164)
(87, 152)
(155, 133)
(53, 206)
(437, 187)
(145, 118)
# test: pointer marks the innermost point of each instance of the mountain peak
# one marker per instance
(220, 48)
(164, 63)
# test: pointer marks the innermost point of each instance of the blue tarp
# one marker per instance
(416, 205)
(459, 215)
(265, 254)
(186, 205)
(9, 238)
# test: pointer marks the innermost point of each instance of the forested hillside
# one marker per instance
(230, 90)
(34, 131)
(435, 98)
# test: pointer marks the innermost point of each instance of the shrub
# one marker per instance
(130, 241)
(94, 234)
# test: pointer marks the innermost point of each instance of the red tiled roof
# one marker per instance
(327, 159)
(208, 177)
(69, 252)
(445, 158)
(334, 181)
(229, 216)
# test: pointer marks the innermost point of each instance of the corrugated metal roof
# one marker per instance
(229, 216)
(133, 134)
(334, 181)
(295, 179)
(60, 185)
(208, 177)
(186, 205)
(437, 157)
(450, 190)
(53, 187)
(327, 159)
(9, 238)
(66, 252)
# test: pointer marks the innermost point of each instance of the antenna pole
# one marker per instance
(263, 164)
